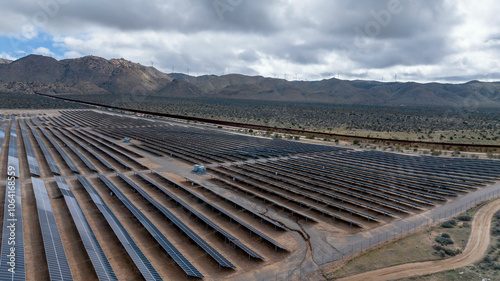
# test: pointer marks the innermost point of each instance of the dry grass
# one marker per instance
(413, 248)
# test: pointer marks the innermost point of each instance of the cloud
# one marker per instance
(419, 40)
(6, 56)
(43, 51)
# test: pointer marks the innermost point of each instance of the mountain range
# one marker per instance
(94, 75)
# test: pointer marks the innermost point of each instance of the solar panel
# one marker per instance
(63, 154)
(30, 153)
(50, 160)
(75, 151)
(154, 231)
(114, 157)
(13, 160)
(213, 225)
(99, 260)
(54, 249)
(198, 215)
(103, 161)
(12, 227)
(147, 270)
(184, 228)
(3, 129)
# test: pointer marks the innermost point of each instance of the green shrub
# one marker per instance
(465, 217)
(450, 252)
(495, 231)
(444, 241)
(446, 225)
(445, 235)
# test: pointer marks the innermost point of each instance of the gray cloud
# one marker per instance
(368, 39)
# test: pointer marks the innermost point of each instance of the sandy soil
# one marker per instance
(476, 248)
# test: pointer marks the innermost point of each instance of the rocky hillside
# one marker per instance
(86, 75)
(95, 75)
(4, 61)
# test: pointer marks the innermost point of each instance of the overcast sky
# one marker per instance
(446, 41)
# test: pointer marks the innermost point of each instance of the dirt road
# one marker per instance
(476, 248)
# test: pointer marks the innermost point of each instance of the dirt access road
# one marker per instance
(476, 248)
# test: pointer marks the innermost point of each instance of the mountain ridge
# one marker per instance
(96, 75)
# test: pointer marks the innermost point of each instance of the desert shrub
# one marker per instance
(443, 240)
(450, 252)
(464, 217)
(446, 225)
(438, 247)
(442, 253)
(497, 215)
(449, 223)
(495, 231)
(445, 235)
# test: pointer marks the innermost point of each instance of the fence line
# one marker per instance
(397, 233)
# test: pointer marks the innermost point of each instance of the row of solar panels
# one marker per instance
(220, 210)
(263, 198)
(352, 198)
(465, 173)
(461, 164)
(300, 202)
(408, 193)
(345, 167)
(304, 194)
(393, 171)
(13, 159)
(198, 215)
(335, 186)
(221, 260)
(382, 180)
(217, 146)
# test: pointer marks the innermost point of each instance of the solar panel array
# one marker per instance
(86, 148)
(183, 141)
(105, 152)
(198, 215)
(12, 263)
(75, 151)
(54, 249)
(143, 264)
(30, 153)
(13, 160)
(234, 218)
(219, 258)
(100, 144)
(61, 152)
(48, 157)
(154, 231)
(99, 260)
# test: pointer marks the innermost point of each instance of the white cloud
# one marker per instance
(6, 56)
(72, 55)
(43, 51)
